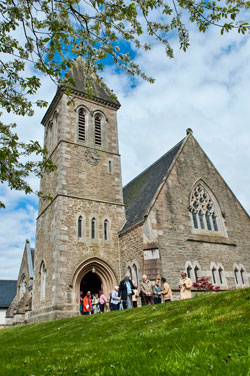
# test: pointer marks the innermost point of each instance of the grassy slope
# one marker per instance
(209, 335)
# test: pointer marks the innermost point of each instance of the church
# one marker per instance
(179, 214)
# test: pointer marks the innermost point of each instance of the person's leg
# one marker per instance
(129, 302)
(134, 304)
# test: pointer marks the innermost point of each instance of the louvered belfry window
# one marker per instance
(81, 125)
(98, 131)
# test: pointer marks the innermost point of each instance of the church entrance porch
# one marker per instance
(91, 282)
(93, 275)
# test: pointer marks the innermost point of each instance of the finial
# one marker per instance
(189, 131)
(27, 241)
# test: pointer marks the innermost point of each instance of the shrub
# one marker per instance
(203, 284)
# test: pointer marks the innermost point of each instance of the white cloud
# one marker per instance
(205, 89)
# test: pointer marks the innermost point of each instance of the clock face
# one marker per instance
(92, 157)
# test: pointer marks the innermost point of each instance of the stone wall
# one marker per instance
(179, 242)
(80, 188)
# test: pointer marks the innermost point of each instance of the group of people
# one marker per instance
(127, 294)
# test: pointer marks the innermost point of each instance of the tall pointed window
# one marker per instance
(79, 225)
(236, 275)
(129, 272)
(135, 274)
(106, 223)
(221, 275)
(43, 276)
(189, 269)
(242, 271)
(196, 270)
(204, 209)
(81, 125)
(98, 131)
(93, 228)
(214, 275)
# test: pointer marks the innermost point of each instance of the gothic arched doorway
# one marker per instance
(91, 282)
(96, 273)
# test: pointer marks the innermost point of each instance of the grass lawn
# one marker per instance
(208, 335)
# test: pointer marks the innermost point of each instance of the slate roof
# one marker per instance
(101, 93)
(100, 90)
(7, 292)
(139, 193)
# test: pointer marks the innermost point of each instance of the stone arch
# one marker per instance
(102, 269)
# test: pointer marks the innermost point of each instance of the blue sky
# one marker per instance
(206, 89)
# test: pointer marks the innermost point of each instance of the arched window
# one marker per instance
(189, 270)
(93, 228)
(110, 167)
(82, 124)
(196, 270)
(43, 276)
(204, 209)
(214, 275)
(79, 227)
(98, 130)
(236, 273)
(106, 222)
(242, 271)
(135, 274)
(23, 286)
(129, 271)
(221, 275)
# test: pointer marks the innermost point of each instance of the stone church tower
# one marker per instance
(77, 245)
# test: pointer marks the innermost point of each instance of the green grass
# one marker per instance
(208, 335)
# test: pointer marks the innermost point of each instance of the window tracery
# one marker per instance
(202, 209)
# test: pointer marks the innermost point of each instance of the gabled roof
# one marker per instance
(139, 193)
(7, 292)
(101, 93)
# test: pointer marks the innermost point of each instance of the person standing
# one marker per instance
(157, 292)
(103, 301)
(166, 291)
(135, 296)
(126, 291)
(87, 304)
(96, 303)
(115, 300)
(185, 286)
(81, 302)
(146, 291)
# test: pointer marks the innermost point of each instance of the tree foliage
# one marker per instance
(47, 34)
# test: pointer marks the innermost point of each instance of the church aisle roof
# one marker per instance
(7, 292)
(139, 193)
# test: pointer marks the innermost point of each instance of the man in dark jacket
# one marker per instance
(126, 291)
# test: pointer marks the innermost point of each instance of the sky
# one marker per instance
(206, 89)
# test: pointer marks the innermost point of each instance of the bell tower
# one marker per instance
(77, 243)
